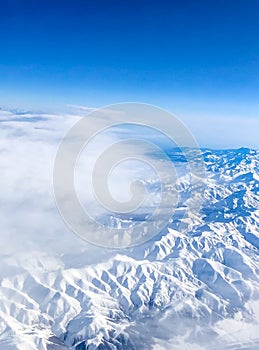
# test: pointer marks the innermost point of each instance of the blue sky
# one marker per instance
(199, 59)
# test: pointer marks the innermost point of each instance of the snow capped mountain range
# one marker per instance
(197, 289)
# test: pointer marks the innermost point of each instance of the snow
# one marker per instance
(195, 289)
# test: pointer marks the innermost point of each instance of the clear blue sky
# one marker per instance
(197, 58)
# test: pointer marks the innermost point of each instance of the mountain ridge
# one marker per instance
(178, 290)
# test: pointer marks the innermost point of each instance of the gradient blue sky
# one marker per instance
(199, 59)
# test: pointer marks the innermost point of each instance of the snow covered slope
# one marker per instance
(193, 290)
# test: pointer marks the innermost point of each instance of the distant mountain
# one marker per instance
(191, 289)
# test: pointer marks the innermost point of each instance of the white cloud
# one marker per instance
(220, 132)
